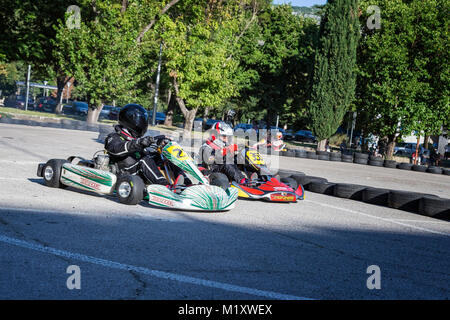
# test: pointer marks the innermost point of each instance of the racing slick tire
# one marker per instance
(51, 172)
(219, 179)
(130, 189)
(290, 182)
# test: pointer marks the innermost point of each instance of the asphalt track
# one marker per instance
(319, 248)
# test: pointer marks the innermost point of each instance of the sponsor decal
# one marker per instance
(90, 183)
(160, 200)
(282, 197)
(281, 189)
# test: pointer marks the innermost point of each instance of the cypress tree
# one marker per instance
(334, 76)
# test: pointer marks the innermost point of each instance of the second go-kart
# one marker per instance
(260, 183)
(101, 176)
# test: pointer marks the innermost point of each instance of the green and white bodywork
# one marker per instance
(199, 197)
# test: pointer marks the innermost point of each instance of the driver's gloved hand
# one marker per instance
(146, 141)
(161, 139)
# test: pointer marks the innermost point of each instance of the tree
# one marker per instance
(28, 31)
(403, 78)
(334, 76)
(197, 43)
(101, 55)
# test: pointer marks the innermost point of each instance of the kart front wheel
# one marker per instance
(130, 189)
(51, 172)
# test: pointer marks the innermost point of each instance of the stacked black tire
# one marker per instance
(361, 158)
(421, 203)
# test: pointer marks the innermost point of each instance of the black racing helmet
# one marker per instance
(134, 118)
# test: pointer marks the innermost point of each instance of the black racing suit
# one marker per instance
(125, 151)
(213, 153)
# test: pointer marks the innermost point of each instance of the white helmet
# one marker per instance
(223, 129)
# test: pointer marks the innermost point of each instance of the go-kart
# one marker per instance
(100, 176)
(260, 183)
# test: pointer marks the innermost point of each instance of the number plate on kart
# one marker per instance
(254, 157)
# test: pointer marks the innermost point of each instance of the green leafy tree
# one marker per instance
(334, 77)
(403, 82)
(101, 55)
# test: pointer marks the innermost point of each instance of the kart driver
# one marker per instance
(126, 145)
(218, 146)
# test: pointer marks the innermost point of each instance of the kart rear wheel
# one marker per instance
(220, 180)
(51, 172)
(290, 182)
(130, 189)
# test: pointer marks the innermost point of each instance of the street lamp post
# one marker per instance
(155, 100)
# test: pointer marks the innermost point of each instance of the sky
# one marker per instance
(300, 3)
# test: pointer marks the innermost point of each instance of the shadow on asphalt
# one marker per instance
(318, 262)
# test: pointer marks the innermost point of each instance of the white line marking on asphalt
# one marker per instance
(379, 218)
(150, 272)
(426, 221)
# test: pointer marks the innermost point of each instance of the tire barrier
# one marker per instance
(435, 207)
(404, 200)
(306, 180)
(404, 166)
(323, 157)
(363, 158)
(287, 173)
(390, 164)
(321, 187)
(360, 160)
(299, 153)
(419, 168)
(414, 202)
(376, 163)
(335, 156)
(377, 196)
(311, 155)
(435, 170)
(348, 191)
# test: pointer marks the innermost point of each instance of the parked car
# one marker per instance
(81, 108)
(160, 117)
(243, 126)
(106, 110)
(304, 136)
(114, 113)
(288, 135)
(18, 101)
(404, 149)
